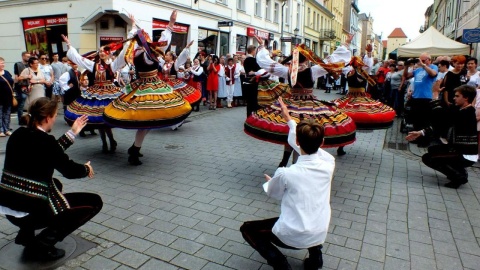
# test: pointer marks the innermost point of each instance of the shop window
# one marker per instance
(241, 44)
(224, 43)
(207, 40)
(179, 35)
(43, 35)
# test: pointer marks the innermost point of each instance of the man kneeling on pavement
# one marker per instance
(462, 149)
(304, 191)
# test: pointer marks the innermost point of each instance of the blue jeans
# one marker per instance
(21, 98)
(5, 121)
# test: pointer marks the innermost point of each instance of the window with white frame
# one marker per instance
(314, 26)
(222, 2)
(298, 16)
(276, 13)
(241, 5)
(286, 13)
(258, 8)
(308, 17)
(268, 10)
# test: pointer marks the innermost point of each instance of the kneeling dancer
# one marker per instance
(31, 198)
(304, 189)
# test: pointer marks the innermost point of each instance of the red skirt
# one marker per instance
(365, 111)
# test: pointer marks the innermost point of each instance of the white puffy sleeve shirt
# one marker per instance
(304, 189)
(341, 54)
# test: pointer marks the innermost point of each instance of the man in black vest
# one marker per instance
(19, 84)
(69, 82)
(249, 86)
(71, 85)
(461, 151)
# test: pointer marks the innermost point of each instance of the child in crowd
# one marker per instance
(181, 73)
(231, 74)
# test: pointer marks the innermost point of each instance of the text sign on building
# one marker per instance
(225, 23)
(254, 32)
(471, 35)
(58, 20)
(111, 39)
(162, 25)
(29, 24)
(286, 39)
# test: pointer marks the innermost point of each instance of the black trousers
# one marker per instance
(249, 91)
(258, 234)
(49, 91)
(421, 113)
(83, 207)
(444, 159)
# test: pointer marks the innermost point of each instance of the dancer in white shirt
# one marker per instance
(304, 191)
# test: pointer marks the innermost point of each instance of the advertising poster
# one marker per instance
(35, 36)
(43, 34)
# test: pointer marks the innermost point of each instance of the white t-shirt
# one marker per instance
(475, 80)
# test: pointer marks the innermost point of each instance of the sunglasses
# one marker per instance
(43, 58)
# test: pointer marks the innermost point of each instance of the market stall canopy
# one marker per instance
(434, 43)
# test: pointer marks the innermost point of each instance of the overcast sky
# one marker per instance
(388, 15)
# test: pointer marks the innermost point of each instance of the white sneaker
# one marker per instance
(3, 135)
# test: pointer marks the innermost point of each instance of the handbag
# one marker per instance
(14, 100)
(26, 89)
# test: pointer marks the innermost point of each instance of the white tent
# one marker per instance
(433, 43)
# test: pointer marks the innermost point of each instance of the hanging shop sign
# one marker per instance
(254, 32)
(177, 28)
(225, 23)
(471, 35)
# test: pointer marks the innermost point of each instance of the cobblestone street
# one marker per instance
(183, 207)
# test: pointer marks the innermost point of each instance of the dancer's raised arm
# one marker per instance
(75, 57)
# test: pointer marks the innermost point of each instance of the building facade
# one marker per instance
(217, 26)
(368, 35)
(351, 24)
(317, 28)
(336, 7)
(396, 39)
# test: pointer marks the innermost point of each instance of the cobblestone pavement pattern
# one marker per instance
(183, 207)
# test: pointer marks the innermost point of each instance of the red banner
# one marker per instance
(57, 20)
(111, 39)
(252, 32)
(29, 24)
(177, 28)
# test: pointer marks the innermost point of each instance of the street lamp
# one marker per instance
(296, 34)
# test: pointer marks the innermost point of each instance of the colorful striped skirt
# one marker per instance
(92, 103)
(268, 123)
(365, 111)
(148, 103)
